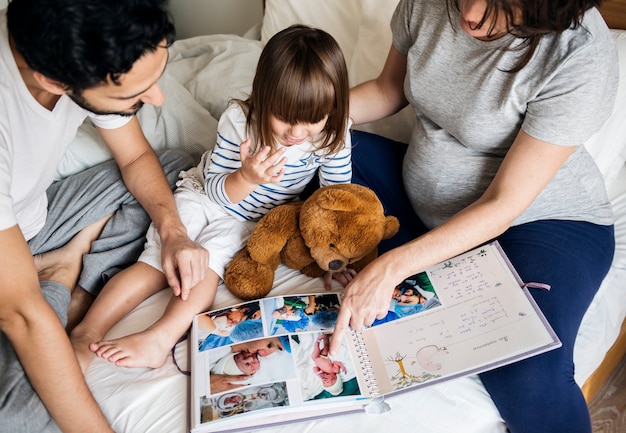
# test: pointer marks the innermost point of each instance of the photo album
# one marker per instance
(266, 361)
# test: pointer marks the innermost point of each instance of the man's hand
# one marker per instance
(225, 382)
(184, 263)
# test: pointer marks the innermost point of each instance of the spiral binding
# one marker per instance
(365, 363)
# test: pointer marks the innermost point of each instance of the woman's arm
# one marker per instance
(527, 168)
(382, 96)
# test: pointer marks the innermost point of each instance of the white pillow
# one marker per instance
(340, 18)
(215, 68)
(608, 146)
(361, 28)
(180, 123)
(368, 59)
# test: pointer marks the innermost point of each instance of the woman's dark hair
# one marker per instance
(301, 77)
(532, 19)
(83, 43)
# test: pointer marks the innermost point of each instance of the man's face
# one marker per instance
(247, 362)
(137, 87)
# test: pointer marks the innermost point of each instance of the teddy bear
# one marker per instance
(336, 227)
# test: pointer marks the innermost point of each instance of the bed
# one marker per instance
(203, 73)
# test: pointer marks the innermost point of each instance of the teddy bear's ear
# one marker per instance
(392, 225)
(337, 200)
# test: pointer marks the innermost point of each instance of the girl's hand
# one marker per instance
(344, 277)
(262, 167)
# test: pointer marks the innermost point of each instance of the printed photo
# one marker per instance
(230, 325)
(246, 400)
(256, 362)
(412, 296)
(290, 314)
(320, 374)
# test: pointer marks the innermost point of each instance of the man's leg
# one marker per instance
(83, 200)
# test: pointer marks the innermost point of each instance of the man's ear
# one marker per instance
(53, 86)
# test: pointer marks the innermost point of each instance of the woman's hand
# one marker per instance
(365, 299)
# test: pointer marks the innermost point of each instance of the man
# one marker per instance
(60, 62)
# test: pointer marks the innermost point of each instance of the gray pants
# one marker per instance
(73, 204)
(84, 198)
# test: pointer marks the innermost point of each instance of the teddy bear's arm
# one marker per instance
(272, 232)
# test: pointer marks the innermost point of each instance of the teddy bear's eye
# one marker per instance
(332, 245)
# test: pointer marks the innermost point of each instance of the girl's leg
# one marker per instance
(377, 164)
(119, 296)
(539, 394)
(150, 348)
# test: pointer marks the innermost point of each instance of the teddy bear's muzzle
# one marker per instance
(335, 265)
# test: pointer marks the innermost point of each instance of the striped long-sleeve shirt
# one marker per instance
(303, 161)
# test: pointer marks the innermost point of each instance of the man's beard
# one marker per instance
(81, 102)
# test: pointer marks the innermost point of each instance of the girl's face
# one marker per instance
(472, 12)
(292, 135)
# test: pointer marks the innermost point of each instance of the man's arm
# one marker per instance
(184, 262)
(40, 341)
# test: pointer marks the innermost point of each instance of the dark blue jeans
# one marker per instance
(538, 394)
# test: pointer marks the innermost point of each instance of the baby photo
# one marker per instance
(230, 325)
(256, 362)
(320, 374)
(245, 400)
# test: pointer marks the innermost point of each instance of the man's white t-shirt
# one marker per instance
(32, 142)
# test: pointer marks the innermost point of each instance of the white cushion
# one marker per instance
(367, 60)
(340, 18)
(608, 146)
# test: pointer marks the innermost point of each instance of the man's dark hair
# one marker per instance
(82, 43)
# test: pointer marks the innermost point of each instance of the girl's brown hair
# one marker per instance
(532, 19)
(301, 77)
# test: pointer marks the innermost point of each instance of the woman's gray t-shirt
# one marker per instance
(469, 111)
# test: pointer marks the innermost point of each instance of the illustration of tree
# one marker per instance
(399, 359)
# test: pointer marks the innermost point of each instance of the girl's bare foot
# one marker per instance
(143, 349)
